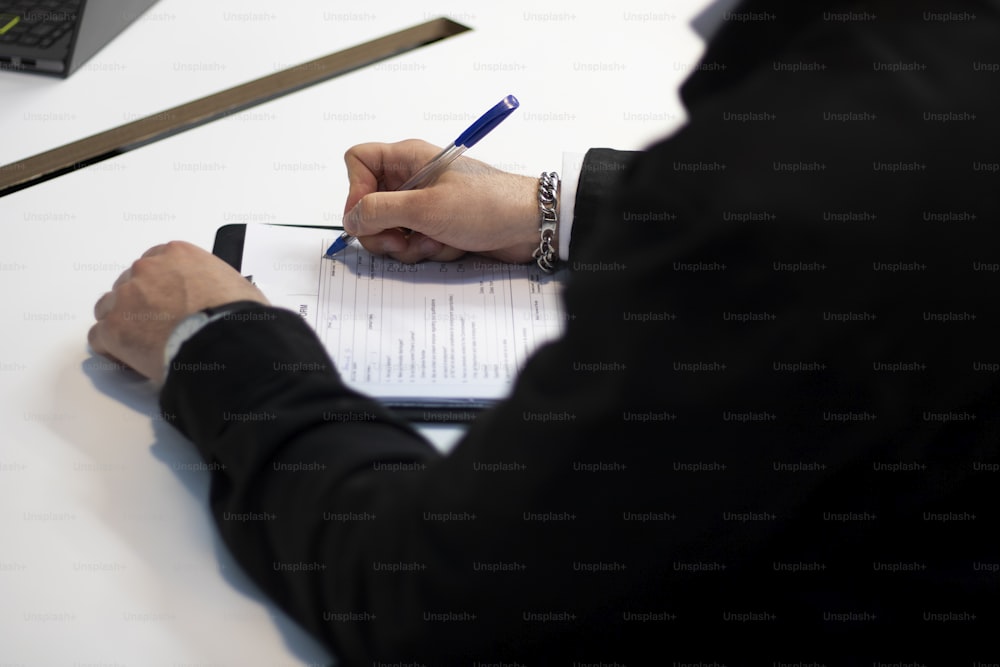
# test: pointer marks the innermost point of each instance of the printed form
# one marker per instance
(434, 331)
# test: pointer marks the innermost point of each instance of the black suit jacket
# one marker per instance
(771, 421)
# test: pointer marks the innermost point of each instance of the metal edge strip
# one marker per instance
(75, 155)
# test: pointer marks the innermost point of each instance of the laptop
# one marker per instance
(56, 37)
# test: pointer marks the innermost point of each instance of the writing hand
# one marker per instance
(471, 207)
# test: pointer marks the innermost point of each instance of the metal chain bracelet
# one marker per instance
(546, 255)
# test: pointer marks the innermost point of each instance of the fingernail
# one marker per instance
(351, 222)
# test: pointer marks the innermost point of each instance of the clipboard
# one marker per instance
(457, 407)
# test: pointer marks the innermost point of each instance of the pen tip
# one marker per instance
(336, 247)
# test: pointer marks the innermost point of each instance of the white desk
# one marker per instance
(107, 552)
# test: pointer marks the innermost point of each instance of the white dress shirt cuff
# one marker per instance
(569, 177)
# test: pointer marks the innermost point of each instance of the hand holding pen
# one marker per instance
(471, 206)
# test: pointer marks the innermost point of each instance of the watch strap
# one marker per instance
(194, 323)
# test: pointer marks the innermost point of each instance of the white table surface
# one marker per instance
(107, 552)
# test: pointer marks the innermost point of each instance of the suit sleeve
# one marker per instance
(600, 176)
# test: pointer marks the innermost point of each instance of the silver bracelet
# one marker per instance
(548, 208)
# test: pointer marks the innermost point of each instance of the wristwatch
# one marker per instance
(193, 323)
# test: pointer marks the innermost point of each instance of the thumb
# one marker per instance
(378, 211)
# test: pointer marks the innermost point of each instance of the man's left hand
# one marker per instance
(168, 283)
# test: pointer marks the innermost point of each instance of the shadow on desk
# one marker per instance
(180, 455)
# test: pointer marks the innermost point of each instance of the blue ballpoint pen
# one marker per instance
(433, 169)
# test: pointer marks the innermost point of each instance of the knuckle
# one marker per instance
(353, 153)
(139, 267)
(177, 246)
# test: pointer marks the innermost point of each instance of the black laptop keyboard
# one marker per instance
(38, 23)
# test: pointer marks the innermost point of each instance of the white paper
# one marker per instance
(436, 331)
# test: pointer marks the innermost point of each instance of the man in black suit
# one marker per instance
(771, 421)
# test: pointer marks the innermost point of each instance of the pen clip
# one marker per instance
(487, 122)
